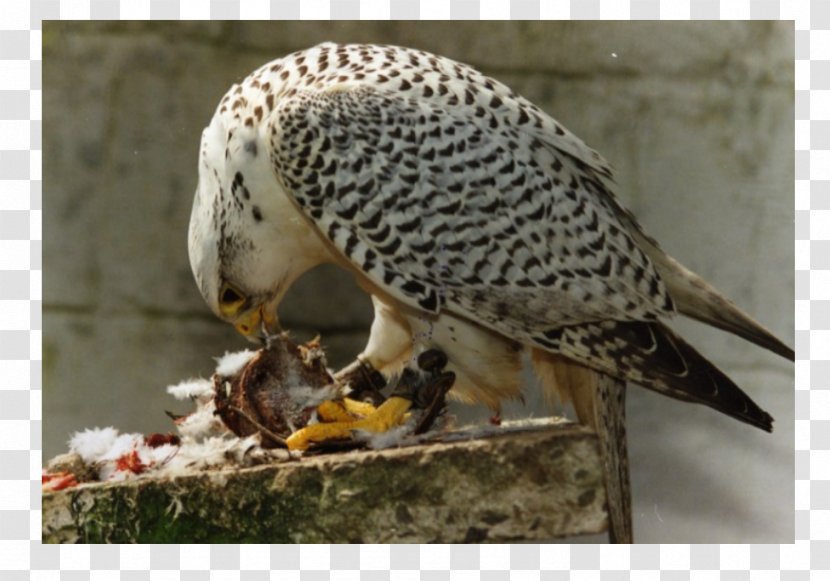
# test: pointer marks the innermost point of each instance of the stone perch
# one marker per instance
(533, 481)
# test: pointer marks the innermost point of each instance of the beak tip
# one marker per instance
(258, 325)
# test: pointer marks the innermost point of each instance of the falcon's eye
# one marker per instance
(230, 300)
(230, 296)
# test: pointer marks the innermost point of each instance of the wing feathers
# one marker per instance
(450, 191)
(452, 213)
(651, 355)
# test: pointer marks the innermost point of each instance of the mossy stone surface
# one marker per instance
(536, 484)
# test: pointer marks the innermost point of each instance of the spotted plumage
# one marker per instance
(479, 224)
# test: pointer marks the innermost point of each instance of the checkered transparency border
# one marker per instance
(22, 555)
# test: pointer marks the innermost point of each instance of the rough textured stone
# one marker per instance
(577, 49)
(526, 485)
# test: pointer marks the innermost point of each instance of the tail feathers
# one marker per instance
(651, 355)
(692, 295)
(689, 375)
(568, 382)
(609, 412)
(696, 298)
(599, 402)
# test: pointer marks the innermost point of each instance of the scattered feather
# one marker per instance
(92, 444)
(198, 389)
(392, 438)
(304, 396)
(124, 444)
(202, 423)
(232, 363)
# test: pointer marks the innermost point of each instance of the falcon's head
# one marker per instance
(247, 240)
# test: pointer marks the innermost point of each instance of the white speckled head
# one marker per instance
(245, 230)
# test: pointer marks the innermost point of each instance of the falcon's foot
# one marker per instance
(424, 389)
(390, 414)
(364, 382)
(345, 410)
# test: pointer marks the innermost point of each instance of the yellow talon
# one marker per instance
(391, 413)
(345, 410)
(333, 411)
(358, 408)
(301, 439)
(388, 415)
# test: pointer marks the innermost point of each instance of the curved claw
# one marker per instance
(432, 360)
(391, 413)
(364, 381)
(345, 410)
(435, 400)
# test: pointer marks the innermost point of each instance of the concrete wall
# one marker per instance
(696, 117)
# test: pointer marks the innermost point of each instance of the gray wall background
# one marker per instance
(696, 117)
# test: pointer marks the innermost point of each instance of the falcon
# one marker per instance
(480, 226)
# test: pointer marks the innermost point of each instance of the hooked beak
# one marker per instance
(258, 324)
